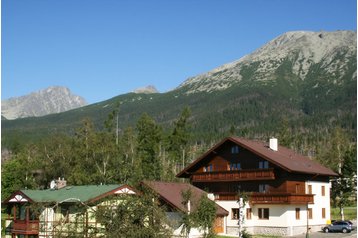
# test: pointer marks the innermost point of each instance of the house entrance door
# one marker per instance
(219, 224)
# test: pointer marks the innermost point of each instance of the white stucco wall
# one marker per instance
(283, 217)
(320, 202)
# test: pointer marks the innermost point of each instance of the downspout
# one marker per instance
(307, 226)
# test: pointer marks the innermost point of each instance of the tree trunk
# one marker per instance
(341, 210)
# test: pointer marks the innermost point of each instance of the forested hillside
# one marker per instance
(300, 88)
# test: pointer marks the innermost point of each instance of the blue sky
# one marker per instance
(102, 48)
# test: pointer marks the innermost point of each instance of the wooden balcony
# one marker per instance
(281, 198)
(269, 198)
(25, 227)
(234, 175)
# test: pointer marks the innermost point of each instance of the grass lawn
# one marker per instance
(350, 213)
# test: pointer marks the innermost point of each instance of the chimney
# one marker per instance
(273, 144)
(61, 183)
(211, 196)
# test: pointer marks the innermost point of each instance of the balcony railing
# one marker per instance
(234, 175)
(25, 227)
(281, 198)
(269, 198)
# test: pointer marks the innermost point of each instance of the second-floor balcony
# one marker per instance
(279, 198)
(234, 175)
(269, 198)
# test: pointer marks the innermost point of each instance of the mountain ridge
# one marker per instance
(54, 99)
(249, 98)
(305, 47)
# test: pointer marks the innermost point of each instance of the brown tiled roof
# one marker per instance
(171, 193)
(285, 158)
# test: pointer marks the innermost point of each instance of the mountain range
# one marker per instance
(300, 50)
(306, 80)
(51, 100)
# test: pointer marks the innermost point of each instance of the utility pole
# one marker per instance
(117, 127)
(117, 123)
(307, 227)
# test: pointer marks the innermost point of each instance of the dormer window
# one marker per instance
(263, 165)
(235, 149)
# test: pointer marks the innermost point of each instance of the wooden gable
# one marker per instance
(228, 156)
(17, 197)
(250, 154)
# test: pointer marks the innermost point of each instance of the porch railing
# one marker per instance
(25, 227)
(234, 175)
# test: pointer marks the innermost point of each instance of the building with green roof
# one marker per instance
(56, 211)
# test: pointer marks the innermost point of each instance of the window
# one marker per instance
(235, 149)
(264, 213)
(235, 213)
(208, 168)
(34, 215)
(310, 213)
(298, 213)
(234, 188)
(323, 191)
(23, 212)
(309, 189)
(65, 211)
(263, 165)
(235, 166)
(323, 213)
(263, 188)
(248, 213)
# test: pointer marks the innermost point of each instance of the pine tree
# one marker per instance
(179, 141)
(149, 135)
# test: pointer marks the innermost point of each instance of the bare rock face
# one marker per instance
(299, 53)
(148, 89)
(47, 101)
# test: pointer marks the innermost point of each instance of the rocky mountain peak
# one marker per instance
(51, 100)
(301, 50)
(313, 45)
(148, 89)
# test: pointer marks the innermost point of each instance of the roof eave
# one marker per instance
(109, 193)
(146, 184)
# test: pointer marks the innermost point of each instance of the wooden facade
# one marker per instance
(231, 168)
(22, 221)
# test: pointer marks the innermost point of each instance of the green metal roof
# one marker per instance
(70, 194)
